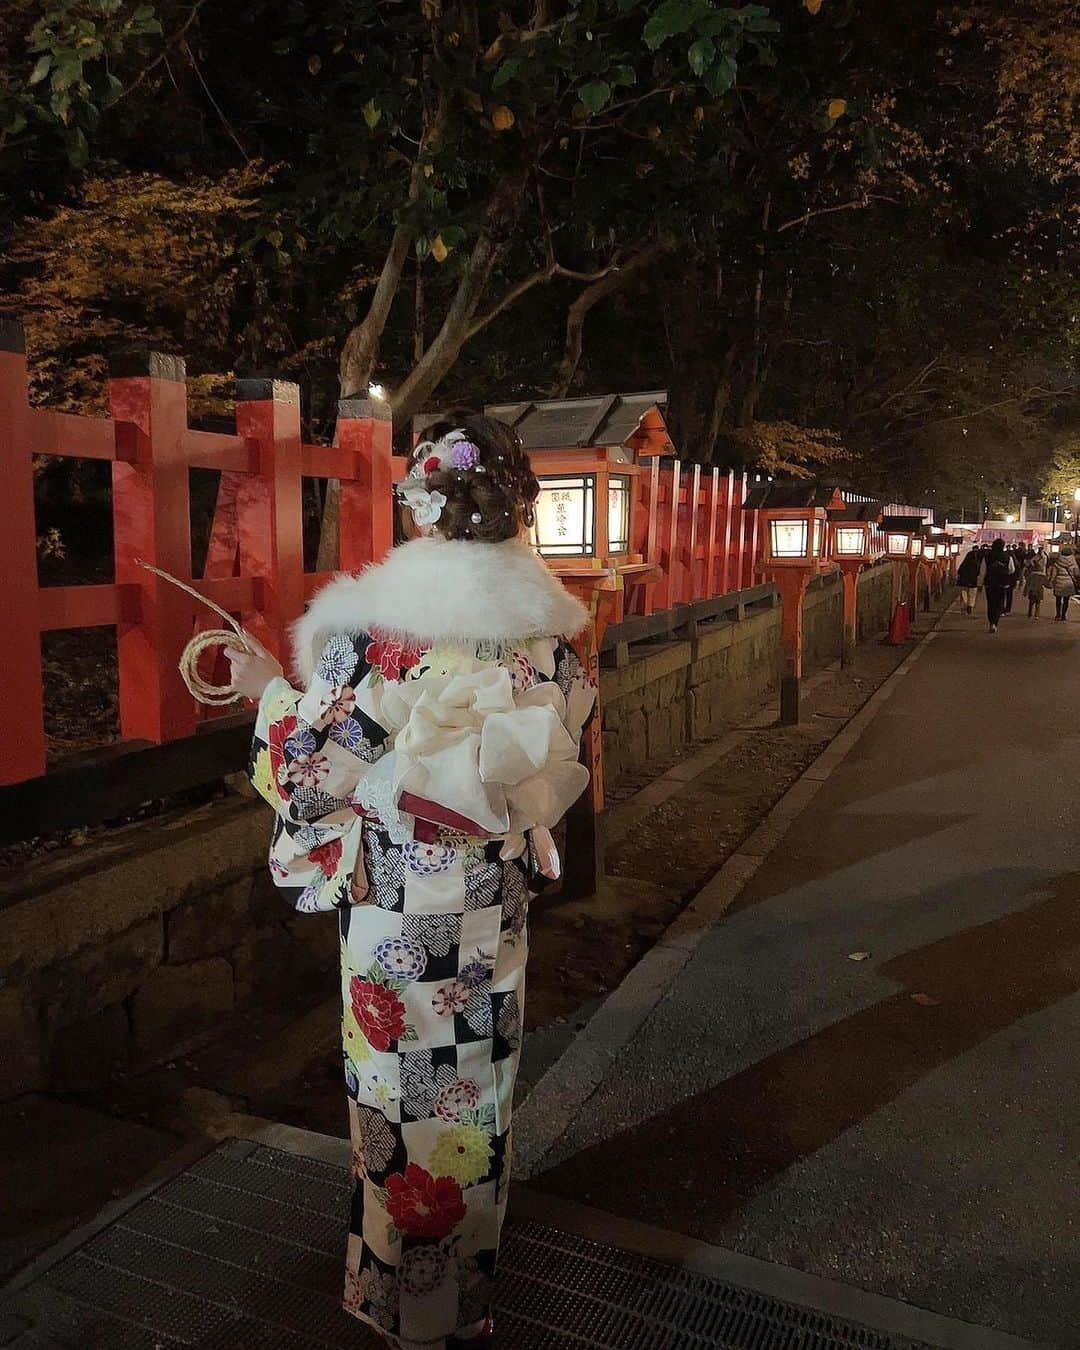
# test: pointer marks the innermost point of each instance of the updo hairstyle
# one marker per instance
(493, 499)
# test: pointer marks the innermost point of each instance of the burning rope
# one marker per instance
(213, 695)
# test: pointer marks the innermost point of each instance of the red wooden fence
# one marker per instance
(255, 565)
(687, 521)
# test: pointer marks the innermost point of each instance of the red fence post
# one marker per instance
(152, 521)
(271, 526)
(712, 508)
(22, 732)
(366, 516)
(725, 538)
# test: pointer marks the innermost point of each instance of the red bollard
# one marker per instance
(901, 624)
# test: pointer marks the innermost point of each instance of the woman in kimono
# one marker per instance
(415, 776)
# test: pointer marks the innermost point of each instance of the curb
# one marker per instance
(560, 1094)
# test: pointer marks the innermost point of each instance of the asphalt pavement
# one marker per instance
(868, 1069)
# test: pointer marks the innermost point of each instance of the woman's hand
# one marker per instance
(547, 855)
(252, 671)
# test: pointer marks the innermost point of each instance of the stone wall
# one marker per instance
(673, 693)
(134, 948)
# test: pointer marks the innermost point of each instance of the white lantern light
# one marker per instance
(566, 516)
(788, 538)
(619, 514)
(849, 541)
(916, 546)
(930, 552)
(898, 545)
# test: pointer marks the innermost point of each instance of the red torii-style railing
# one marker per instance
(255, 566)
(691, 525)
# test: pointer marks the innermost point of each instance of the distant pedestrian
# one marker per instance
(1016, 557)
(1064, 580)
(997, 569)
(1034, 584)
(967, 578)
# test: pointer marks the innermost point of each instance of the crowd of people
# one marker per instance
(999, 570)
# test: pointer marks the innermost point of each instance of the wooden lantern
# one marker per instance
(795, 516)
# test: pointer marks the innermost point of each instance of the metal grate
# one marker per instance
(244, 1249)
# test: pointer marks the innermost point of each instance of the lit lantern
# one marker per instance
(930, 551)
(898, 545)
(795, 515)
(850, 541)
(854, 543)
(916, 546)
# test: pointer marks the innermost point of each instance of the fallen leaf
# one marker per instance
(925, 1001)
(858, 956)
(814, 6)
(837, 107)
(439, 251)
(502, 119)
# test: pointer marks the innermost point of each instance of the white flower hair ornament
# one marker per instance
(426, 506)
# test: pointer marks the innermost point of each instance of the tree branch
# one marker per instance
(526, 284)
(859, 205)
(612, 280)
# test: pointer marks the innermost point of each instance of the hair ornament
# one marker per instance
(427, 507)
(477, 518)
(464, 455)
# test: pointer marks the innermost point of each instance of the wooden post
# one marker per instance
(22, 731)
(730, 507)
(366, 523)
(152, 521)
(270, 513)
(738, 532)
(791, 583)
(712, 509)
(584, 863)
(850, 570)
(690, 534)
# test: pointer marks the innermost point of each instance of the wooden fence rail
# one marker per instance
(701, 548)
(255, 566)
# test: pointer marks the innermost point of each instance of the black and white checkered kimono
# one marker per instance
(433, 955)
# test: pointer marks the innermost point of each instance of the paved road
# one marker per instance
(908, 1123)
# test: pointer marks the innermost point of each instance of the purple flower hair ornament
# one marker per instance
(464, 455)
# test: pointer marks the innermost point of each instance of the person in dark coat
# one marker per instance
(967, 578)
(1016, 557)
(995, 575)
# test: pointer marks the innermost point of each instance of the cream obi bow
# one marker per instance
(469, 744)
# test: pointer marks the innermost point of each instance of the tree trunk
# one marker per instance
(444, 349)
(579, 310)
(703, 357)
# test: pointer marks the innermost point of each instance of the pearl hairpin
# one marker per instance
(476, 518)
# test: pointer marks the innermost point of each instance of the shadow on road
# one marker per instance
(745, 1131)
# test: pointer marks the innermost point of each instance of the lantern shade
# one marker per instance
(930, 552)
(788, 539)
(619, 513)
(850, 541)
(898, 545)
(566, 516)
(916, 546)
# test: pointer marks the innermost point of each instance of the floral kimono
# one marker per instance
(439, 725)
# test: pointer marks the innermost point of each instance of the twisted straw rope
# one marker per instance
(213, 695)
